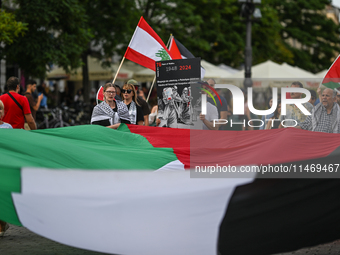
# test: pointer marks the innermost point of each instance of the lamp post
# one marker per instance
(248, 11)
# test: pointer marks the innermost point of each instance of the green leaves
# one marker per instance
(61, 31)
(10, 28)
(310, 35)
(55, 34)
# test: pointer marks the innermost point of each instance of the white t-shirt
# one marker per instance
(212, 114)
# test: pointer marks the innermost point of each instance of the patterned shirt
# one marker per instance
(325, 122)
(294, 113)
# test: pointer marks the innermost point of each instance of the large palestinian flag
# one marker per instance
(101, 185)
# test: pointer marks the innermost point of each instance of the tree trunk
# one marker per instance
(86, 82)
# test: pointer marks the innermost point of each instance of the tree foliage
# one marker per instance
(56, 35)
(65, 32)
(10, 28)
(296, 32)
(112, 24)
(214, 30)
(308, 33)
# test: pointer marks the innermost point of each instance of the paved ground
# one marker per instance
(20, 241)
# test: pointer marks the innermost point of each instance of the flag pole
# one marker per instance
(154, 79)
(153, 82)
(120, 65)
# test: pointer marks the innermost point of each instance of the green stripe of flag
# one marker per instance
(331, 85)
(80, 147)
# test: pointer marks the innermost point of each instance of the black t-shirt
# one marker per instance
(144, 105)
(140, 116)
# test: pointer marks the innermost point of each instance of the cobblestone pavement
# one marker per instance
(21, 241)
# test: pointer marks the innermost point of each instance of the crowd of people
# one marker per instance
(323, 108)
(127, 104)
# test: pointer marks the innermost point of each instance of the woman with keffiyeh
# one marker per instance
(129, 96)
(110, 113)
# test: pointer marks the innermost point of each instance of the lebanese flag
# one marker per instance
(332, 77)
(129, 187)
(146, 47)
(179, 51)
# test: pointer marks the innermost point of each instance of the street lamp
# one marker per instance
(249, 10)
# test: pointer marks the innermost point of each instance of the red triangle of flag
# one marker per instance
(174, 51)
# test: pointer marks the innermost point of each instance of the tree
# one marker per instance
(308, 33)
(112, 24)
(56, 34)
(296, 32)
(10, 29)
(214, 30)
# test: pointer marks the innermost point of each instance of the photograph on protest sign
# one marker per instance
(175, 95)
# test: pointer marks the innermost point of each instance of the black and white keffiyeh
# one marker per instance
(133, 112)
(319, 118)
(321, 121)
(103, 111)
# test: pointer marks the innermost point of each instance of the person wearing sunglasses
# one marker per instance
(142, 103)
(110, 113)
(129, 96)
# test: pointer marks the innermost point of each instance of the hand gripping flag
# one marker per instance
(178, 51)
(332, 77)
(146, 47)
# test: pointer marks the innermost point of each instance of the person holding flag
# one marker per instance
(325, 116)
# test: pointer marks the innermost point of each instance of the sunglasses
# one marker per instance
(126, 91)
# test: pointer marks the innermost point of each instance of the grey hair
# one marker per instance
(334, 93)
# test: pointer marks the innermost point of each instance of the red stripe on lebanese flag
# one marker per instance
(146, 47)
(145, 26)
(139, 58)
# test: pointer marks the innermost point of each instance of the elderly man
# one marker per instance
(325, 116)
